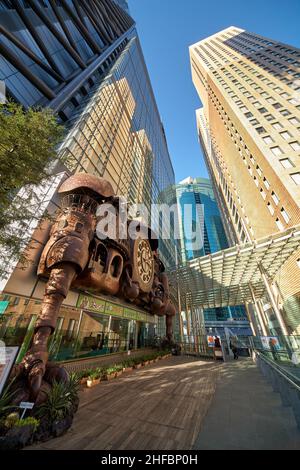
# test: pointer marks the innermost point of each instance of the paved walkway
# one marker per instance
(246, 414)
(161, 406)
(182, 403)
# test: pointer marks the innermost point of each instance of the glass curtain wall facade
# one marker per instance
(103, 95)
(249, 129)
(205, 216)
(117, 134)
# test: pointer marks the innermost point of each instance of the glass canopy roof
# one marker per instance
(223, 278)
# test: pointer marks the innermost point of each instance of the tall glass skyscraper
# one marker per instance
(203, 215)
(84, 61)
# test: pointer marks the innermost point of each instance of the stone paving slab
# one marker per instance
(246, 414)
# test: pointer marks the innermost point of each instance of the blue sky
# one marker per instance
(166, 29)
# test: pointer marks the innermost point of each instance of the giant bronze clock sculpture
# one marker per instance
(75, 257)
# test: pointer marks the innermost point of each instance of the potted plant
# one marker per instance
(119, 370)
(137, 363)
(94, 378)
(111, 373)
(83, 376)
(128, 366)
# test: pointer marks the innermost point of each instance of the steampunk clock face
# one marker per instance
(144, 264)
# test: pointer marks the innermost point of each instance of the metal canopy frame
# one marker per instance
(225, 278)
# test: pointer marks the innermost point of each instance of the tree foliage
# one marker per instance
(28, 142)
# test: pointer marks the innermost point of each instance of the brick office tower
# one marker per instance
(249, 130)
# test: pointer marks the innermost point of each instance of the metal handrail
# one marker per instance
(282, 372)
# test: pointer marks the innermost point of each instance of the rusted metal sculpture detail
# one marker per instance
(75, 256)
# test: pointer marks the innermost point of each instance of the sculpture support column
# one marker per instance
(56, 291)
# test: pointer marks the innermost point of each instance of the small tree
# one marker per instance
(28, 142)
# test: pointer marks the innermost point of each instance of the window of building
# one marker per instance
(271, 208)
(268, 139)
(270, 100)
(263, 110)
(285, 215)
(257, 104)
(258, 169)
(285, 135)
(295, 146)
(275, 198)
(266, 183)
(279, 225)
(248, 115)
(254, 122)
(256, 181)
(276, 151)
(250, 170)
(260, 130)
(294, 121)
(277, 126)
(277, 105)
(296, 177)
(263, 194)
(285, 112)
(269, 117)
(286, 163)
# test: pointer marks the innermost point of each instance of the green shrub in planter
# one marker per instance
(59, 403)
(30, 421)
(95, 374)
(111, 370)
(83, 374)
(11, 420)
(6, 399)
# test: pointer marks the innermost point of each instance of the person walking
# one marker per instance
(273, 349)
(233, 348)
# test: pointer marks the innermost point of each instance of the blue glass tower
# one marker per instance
(204, 216)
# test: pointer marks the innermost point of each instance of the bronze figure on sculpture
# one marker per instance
(75, 256)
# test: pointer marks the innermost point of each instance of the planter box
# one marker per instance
(92, 383)
(83, 381)
(138, 366)
(146, 363)
(111, 376)
(118, 374)
(127, 369)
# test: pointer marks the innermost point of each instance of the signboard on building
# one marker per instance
(211, 341)
(270, 342)
(98, 305)
(7, 359)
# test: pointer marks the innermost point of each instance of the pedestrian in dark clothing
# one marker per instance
(234, 349)
(273, 349)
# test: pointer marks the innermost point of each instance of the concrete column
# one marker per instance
(179, 313)
(259, 315)
(273, 302)
(252, 321)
